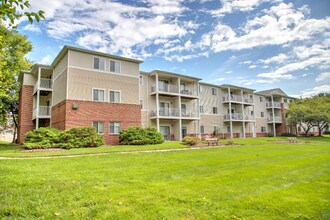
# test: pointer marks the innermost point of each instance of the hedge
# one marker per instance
(136, 135)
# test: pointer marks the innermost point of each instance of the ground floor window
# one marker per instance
(202, 129)
(165, 130)
(114, 127)
(263, 129)
(99, 126)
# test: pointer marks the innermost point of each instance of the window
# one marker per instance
(216, 129)
(285, 101)
(141, 80)
(201, 109)
(141, 103)
(114, 127)
(228, 129)
(114, 66)
(262, 114)
(215, 110)
(114, 96)
(299, 128)
(98, 63)
(200, 89)
(261, 99)
(252, 113)
(202, 129)
(99, 126)
(98, 95)
(183, 110)
(263, 129)
(214, 91)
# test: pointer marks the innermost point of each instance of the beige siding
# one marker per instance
(209, 101)
(81, 83)
(208, 121)
(85, 61)
(145, 119)
(61, 66)
(59, 88)
(29, 79)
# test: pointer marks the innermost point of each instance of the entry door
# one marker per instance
(164, 109)
(165, 130)
(183, 131)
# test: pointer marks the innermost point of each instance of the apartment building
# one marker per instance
(88, 88)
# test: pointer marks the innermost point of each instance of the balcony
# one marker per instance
(238, 98)
(44, 112)
(188, 93)
(273, 105)
(238, 117)
(189, 115)
(165, 89)
(44, 85)
(276, 119)
(166, 112)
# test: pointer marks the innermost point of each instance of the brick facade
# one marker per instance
(25, 110)
(65, 117)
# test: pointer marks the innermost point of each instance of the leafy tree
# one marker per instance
(13, 47)
(310, 112)
(12, 10)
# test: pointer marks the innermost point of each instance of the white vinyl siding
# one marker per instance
(114, 66)
(201, 109)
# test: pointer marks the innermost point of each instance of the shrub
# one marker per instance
(189, 140)
(270, 135)
(288, 135)
(42, 138)
(327, 132)
(136, 135)
(78, 137)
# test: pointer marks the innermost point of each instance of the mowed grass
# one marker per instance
(259, 179)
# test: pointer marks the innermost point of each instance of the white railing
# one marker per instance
(166, 88)
(249, 117)
(188, 92)
(43, 111)
(189, 114)
(286, 105)
(237, 98)
(274, 119)
(45, 83)
(166, 112)
(273, 105)
(234, 116)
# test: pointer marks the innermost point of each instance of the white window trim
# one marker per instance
(213, 110)
(98, 126)
(111, 90)
(202, 112)
(217, 127)
(93, 94)
(110, 126)
(115, 62)
(105, 66)
(214, 89)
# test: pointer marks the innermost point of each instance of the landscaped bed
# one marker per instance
(258, 179)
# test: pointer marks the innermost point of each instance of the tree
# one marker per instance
(310, 112)
(13, 10)
(13, 47)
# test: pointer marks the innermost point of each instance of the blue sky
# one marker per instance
(259, 44)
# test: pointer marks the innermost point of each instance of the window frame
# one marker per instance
(202, 131)
(115, 61)
(93, 94)
(262, 114)
(100, 58)
(111, 90)
(201, 107)
(98, 124)
(261, 99)
(263, 129)
(114, 123)
(215, 108)
(214, 91)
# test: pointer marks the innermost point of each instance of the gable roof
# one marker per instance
(273, 92)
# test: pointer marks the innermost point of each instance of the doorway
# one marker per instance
(184, 131)
(165, 130)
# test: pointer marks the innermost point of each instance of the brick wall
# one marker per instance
(64, 117)
(25, 123)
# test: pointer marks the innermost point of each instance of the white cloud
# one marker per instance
(280, 58)
(315, 91)
(46, 59)
(32, 28)
(252, 66)
(218, 80)
(323, 76)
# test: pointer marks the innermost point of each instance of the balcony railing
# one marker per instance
(237, 98)
(238, 117)
(275, 119)
(188, 92)
(273, 105)
(189, 114)
(166, 88)
(166, 112)
(43, 111)
(45, 83)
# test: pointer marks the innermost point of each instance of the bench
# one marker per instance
(292, 140)
(212, 141)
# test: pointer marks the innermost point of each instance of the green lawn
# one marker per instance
(259, 179)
